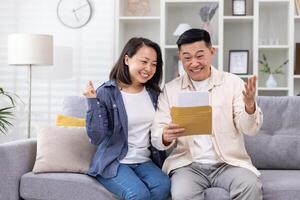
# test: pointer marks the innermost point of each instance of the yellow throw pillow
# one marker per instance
(63, 120)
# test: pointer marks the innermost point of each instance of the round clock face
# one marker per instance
(74, 13)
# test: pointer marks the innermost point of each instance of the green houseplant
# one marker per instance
(6, 113)
(266, 69)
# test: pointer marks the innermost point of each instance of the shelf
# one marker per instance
(245, 76)
(297, 17)
(273, 46)
(273, 1)
(296, 76)
(238, 18)
(132, 20)
(175, 46)
(170, 46)
(138, 18)
(273, 89)
(190, 1)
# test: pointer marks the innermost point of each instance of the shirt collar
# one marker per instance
(216, 78)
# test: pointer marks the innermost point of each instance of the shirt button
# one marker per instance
(99, 115)
(98, 102)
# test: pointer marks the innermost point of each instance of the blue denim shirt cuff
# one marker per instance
(93, 103)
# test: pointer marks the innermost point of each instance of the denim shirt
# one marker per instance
(107, 127)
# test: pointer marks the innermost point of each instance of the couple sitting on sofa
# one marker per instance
(124, 109)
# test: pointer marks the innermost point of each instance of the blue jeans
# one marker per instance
(143, 181)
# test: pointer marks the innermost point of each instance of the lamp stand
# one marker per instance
(29, 103)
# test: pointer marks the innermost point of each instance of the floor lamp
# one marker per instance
(30, 50)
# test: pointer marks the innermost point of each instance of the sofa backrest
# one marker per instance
(277, 145)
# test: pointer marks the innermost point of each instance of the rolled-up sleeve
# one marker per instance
(96, 120)
(248, 124)
(161, 119)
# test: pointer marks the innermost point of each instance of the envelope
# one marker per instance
(196, 120)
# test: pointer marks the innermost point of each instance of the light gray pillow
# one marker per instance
(75, 106)
(63, 149)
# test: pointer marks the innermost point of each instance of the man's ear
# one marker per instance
(213, 51)
(178, 54)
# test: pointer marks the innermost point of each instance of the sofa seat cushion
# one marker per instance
(281, 184)
(61, 186)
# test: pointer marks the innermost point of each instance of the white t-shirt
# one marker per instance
(140, 114)
(204, 151)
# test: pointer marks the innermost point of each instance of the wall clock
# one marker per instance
(74, 13)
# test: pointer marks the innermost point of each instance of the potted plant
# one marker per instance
(266, 69)
(6, 113)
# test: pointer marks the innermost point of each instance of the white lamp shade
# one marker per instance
(181, 28)
(30, 49)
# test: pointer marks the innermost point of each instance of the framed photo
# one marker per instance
(239, 7)
(238, 62)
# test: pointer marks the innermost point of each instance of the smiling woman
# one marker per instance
(129, 165)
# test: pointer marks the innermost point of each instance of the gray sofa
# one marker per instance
(275, 151)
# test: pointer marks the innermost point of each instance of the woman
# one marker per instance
(118, 121)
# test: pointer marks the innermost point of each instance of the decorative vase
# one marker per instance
(271, 82)
(207, 26)
(138, 7)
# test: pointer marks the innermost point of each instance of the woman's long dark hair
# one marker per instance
(120, 71)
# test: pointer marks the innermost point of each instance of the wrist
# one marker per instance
(250, 105)
(250, 108)
(165, 142)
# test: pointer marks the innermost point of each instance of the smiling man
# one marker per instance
(220, 159)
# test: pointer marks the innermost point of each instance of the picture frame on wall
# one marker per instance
(238, 62)
(239, 7)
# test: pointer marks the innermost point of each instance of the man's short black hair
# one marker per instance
(194, 35)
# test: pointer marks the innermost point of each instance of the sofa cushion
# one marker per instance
(63, 149)
(62, 186)
(79, 187)
(281, 184)
(75, 106)
(276, 146)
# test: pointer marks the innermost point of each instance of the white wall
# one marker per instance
(92, 57)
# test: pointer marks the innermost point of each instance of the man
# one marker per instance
(216, 160)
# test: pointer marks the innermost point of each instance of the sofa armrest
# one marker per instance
(16, 159)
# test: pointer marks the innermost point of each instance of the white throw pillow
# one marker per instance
(63, 149)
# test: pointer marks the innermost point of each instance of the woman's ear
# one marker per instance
(126, 60)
